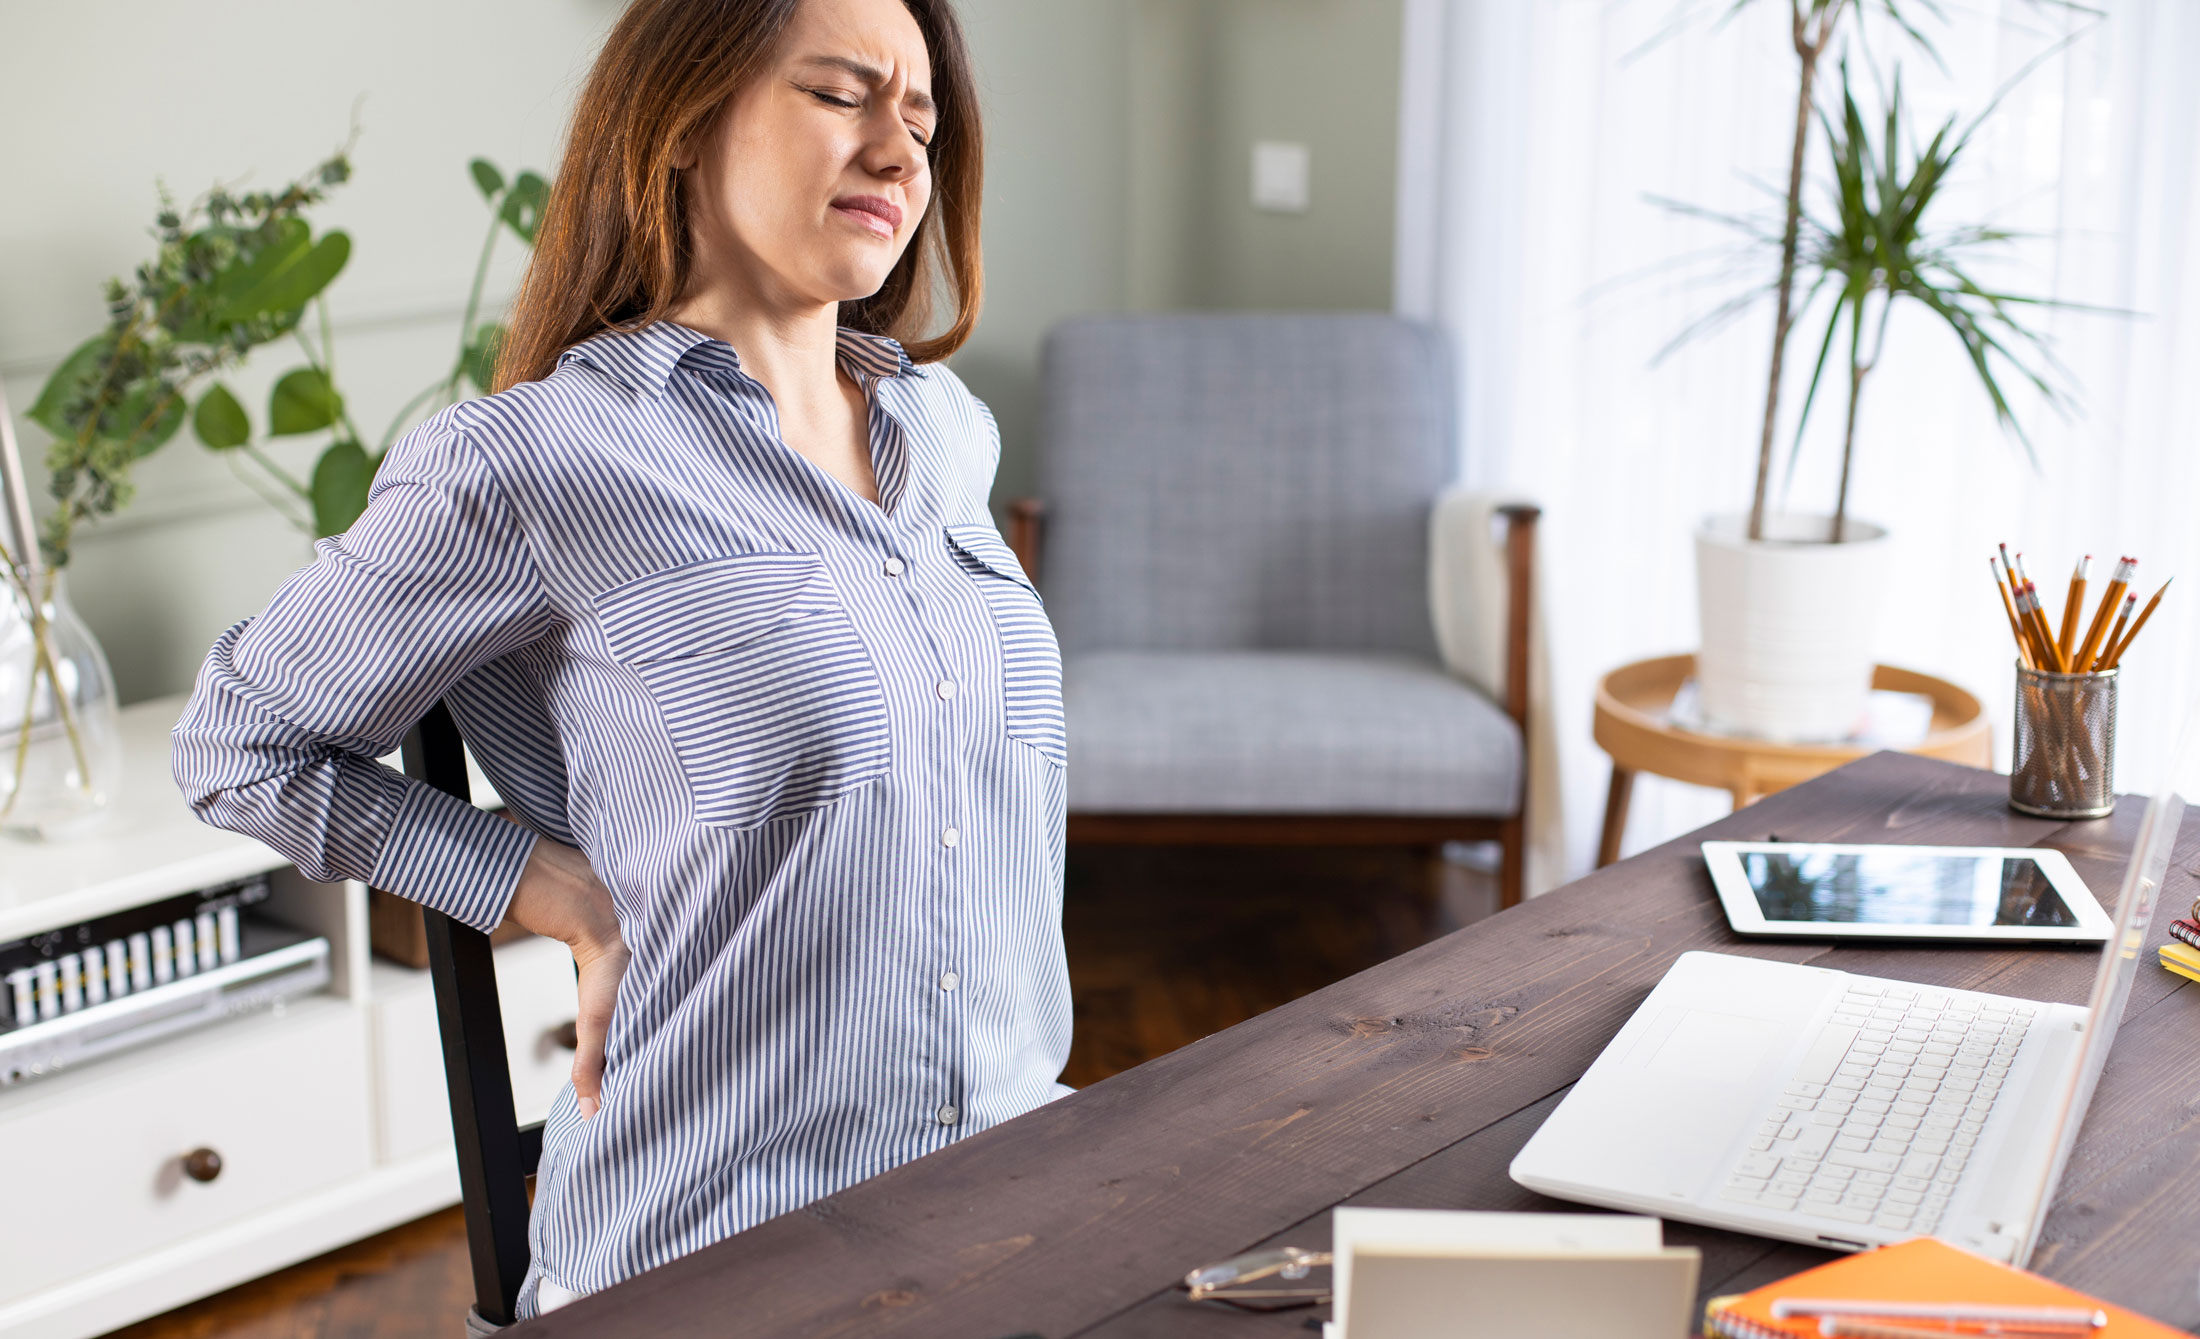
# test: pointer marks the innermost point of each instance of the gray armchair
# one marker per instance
(1235, 536)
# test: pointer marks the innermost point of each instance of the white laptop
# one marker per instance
(1848, 1111)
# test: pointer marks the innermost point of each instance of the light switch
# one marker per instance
(1280, 176)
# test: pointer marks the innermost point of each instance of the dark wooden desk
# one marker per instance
(1412, 1085)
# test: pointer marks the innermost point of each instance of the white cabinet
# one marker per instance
(328, 1117)
(535, 990)
(102, 1151)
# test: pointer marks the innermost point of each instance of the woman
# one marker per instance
(711, 587)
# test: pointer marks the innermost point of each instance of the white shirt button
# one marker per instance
(948, 980)
(947, 689)
(948, 1115)
(894, 567)
(950, 837)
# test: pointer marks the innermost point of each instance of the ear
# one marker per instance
(689, 151)
(685, 156)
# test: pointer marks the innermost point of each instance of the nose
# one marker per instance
(890, 151)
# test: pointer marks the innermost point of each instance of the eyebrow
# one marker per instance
(915, 97)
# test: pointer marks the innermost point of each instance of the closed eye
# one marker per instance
(846, 103)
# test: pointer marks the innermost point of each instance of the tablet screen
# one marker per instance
(1892, 886)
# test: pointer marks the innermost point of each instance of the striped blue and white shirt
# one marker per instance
(814, 746)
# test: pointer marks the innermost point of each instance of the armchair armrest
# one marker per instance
(1026, 522)
(1520, 519)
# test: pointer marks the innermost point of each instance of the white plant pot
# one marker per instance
(1787, 622)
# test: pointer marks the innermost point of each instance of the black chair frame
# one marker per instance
(496, 1154)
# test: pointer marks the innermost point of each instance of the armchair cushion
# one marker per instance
(1241, 480)
(1267, 732)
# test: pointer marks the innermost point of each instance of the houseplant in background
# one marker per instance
(232, 273)
(306, 399)
(1788, 601)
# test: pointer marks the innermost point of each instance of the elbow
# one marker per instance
(222, 785)
(196, 774)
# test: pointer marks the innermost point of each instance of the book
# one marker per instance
(2188, 931)
(1406, 1273)
(2182, 959)
(1920, 1270)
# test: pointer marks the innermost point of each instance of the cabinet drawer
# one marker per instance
(535, 989)
(96, 1161)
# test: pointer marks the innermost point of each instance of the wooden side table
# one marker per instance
(1631, 725)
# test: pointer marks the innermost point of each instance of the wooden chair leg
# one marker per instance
(1615, 815)
(1512, 873)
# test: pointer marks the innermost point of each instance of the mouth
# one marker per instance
(875, 214)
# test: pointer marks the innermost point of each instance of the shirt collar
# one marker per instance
(643, 359)
(879, 355)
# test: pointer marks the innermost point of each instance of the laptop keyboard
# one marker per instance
(1885, 1109)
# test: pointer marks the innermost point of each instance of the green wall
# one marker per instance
(1211, 77)
(1118, 174)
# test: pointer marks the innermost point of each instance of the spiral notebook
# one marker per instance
(1923, 1270)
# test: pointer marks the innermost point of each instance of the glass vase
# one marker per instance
(60, 737)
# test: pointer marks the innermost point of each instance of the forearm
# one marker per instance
(292, 708)
(332, 810)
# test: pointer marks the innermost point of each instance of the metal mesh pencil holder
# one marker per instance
(2064, 763)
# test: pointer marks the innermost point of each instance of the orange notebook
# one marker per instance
(1922, 1270)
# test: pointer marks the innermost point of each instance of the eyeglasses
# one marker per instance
(1220, 1282)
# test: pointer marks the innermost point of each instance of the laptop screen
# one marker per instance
(2120, 957)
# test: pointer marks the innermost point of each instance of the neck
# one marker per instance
(789, 346)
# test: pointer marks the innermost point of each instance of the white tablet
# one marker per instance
(1903, 892)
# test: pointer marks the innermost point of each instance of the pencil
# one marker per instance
(2116, 655)
(2043, 641)
(2050, 658)
(2041, 660)
(2024, 652)
(2115, 635)
(2073, 605)
(2126, 568)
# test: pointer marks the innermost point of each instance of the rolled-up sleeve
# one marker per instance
(293, 707)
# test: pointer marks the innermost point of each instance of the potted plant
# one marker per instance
(232, 273)
(1788, 601)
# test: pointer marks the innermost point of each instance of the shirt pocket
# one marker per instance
(1031, 662)
(766, 689)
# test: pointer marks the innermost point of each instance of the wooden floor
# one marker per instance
(1165, 946)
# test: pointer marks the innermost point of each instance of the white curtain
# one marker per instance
(1533, 133)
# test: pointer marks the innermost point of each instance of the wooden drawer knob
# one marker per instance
(202, 1164)
(566, 1034)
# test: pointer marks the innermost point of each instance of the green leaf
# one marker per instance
(341, 479)
(254, 266)
(303, 401)
(220, 421)
(290, 282)
(523, 206)
(149, 415)
(84, 367)
(480, 359)
(486, 177)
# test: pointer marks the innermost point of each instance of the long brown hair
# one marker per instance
(613, 248)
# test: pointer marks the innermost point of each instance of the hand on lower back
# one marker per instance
(559, 897)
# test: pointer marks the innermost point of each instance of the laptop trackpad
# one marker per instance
(1707, 1045)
